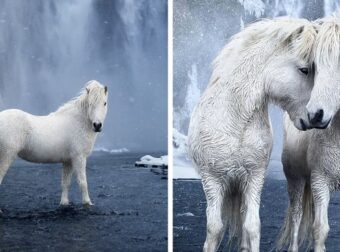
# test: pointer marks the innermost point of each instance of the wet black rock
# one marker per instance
(190, 221)
(130, 211)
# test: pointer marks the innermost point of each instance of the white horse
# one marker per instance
(311, 159)
(66, 136)
(230, 136)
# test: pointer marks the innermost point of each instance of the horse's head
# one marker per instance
(325, 98)
(289, 70)
(96, 99)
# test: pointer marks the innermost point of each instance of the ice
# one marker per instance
(255, 7)
(331, 7)
(241, 23)
(193, 93)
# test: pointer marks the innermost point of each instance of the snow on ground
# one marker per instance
(183, 167)
(112, 151)
(187, 214)
(153, 161)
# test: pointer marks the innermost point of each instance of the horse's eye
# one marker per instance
(104, 103)
(304, 70)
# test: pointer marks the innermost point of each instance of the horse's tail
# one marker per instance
(232, 209)
(306, 225)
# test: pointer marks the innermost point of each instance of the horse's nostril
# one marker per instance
(97, 126)
(317, 117)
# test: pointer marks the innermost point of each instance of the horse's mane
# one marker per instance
(295, 35)
(80, 101)
(327, 50)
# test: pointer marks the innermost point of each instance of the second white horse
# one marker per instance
(311, 159)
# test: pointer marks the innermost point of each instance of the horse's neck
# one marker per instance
(236, 91)
(75, 112)
(235, 112)
(333, 131)
(241, 89)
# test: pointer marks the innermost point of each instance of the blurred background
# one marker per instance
(50, 49)
(201, 29)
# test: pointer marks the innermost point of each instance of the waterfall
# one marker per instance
(50, 49)
(290, 8)
(331, 6)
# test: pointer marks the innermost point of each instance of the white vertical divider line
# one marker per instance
(170, 125)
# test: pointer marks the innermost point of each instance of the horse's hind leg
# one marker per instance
(295, 191)
(65, 183)
(321, 195)
(251, 227)
(79, 167)
(214, 193)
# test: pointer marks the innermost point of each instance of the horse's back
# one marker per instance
(33, 138)
(13, 119)
(11, 114)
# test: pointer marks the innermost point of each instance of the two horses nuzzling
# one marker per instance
(230, 135)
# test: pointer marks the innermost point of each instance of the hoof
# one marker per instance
(88, 204)
(64, 203)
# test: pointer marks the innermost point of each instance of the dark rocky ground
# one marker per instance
(189, 231)
(130, 212)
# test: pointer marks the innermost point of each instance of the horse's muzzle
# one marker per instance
(317, 120)
(97, 127)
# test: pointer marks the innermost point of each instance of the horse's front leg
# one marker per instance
(321, 197)
(251, 228)
(79, 167)
(295, 191)
(214, 193)
(65, 183)
(6, 159)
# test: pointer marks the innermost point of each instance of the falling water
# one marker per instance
(331, 6)
(50, 49)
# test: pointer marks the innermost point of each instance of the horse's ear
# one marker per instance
(87, 90)
(105, 88)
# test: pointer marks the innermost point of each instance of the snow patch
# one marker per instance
(112, 151)
(188, 214)
(182, 228)
(182, 166)
(153, 161)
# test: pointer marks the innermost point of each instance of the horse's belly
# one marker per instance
(45, 156)
(229, 158)
(45, 150)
